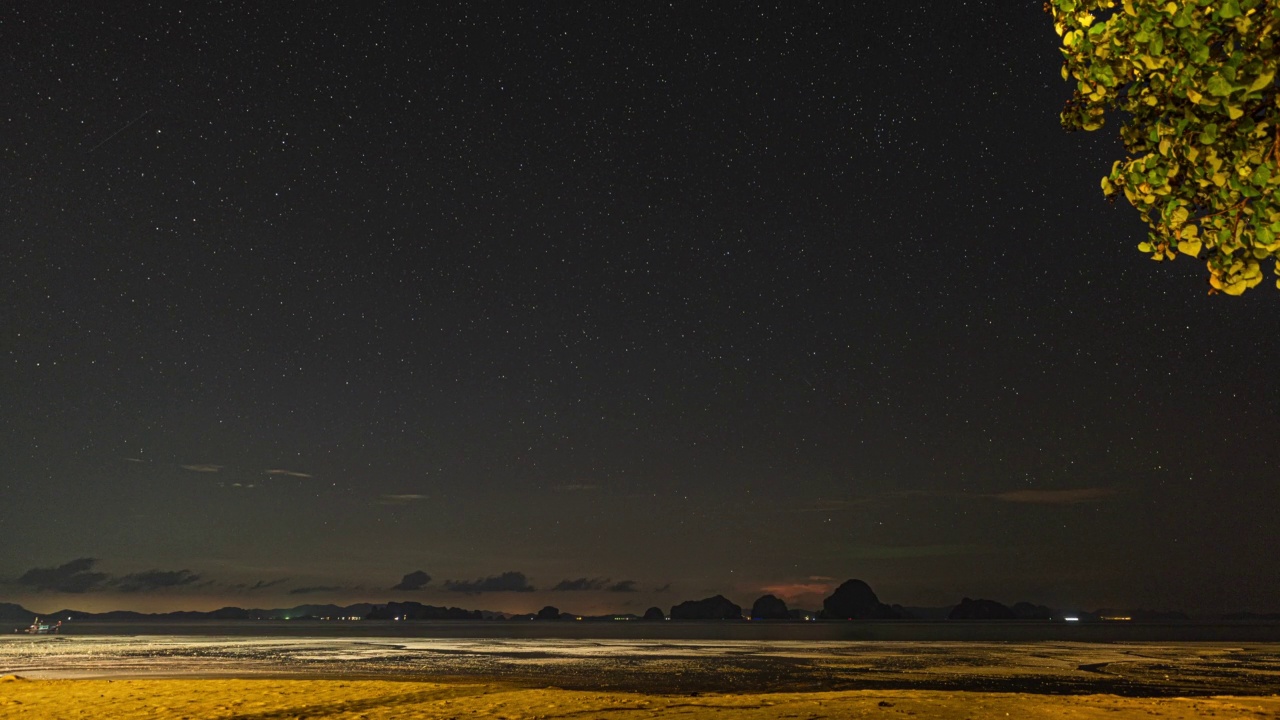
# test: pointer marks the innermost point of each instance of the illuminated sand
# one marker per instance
(673, 666)
(326, 677)
(263, 699)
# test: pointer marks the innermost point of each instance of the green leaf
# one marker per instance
(1191, 82)
(1219, 86)
(1263, 80)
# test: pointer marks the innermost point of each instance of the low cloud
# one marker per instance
(595, 584)
(510, 581)
(288, 473)
(1055, 497)
(415, 580)
(316, 589)
(78, 576)
(202, 468)
(150, 580)
(581, 584)
(663, 589)
(72, 577)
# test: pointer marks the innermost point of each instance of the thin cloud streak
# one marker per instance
(259, 585)
(152, 580)
(400, 499)
(1055, 497)
(316, 589)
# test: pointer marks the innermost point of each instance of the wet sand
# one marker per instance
(673, 666)
(322, 677)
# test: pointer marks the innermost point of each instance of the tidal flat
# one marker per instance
(371, 677)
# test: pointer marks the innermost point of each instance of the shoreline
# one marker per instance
(473, 697)
(1139, 670)
(1251, 631)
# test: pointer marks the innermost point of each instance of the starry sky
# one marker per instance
(602, 305)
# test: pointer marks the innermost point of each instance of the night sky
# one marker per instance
(628, 303)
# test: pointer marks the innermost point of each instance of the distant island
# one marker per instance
(852, 600)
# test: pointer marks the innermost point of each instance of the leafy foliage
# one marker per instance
(1195, 81)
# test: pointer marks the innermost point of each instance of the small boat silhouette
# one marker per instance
(44, 628)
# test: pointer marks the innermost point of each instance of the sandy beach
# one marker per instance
(371, 699)
(274, 677)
